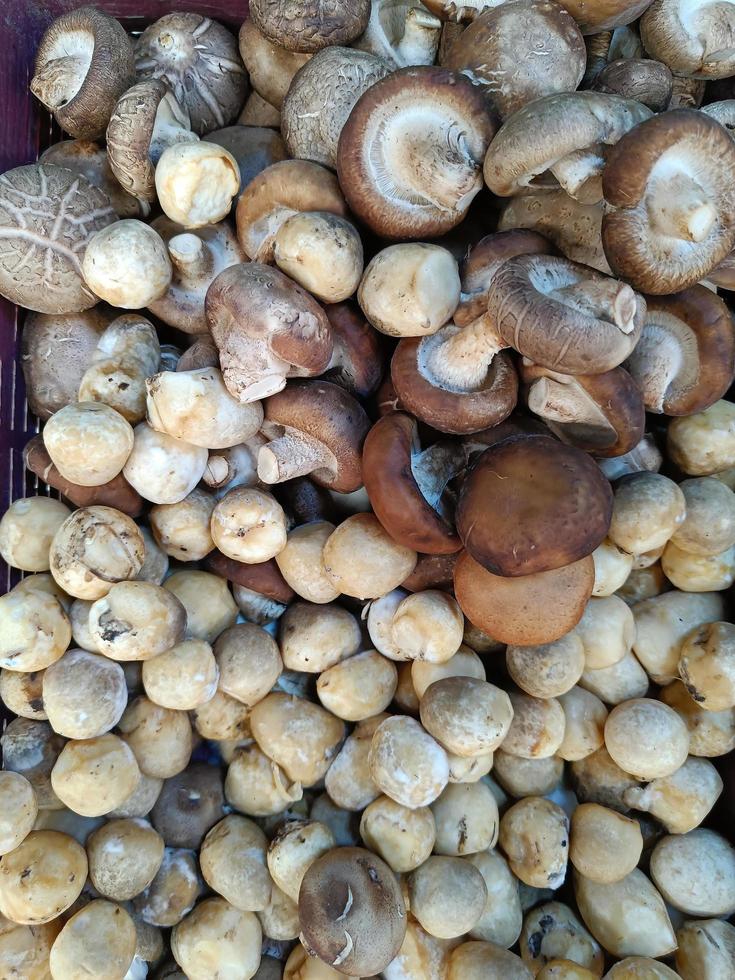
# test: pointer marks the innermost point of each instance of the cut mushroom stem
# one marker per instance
(291, 454)
(420, 38)
(602, 298)
(192, 261)
(580, 174)
(680, 207)
(459, 359)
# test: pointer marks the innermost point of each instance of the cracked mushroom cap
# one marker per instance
(410, 154)
(560, 139)
(407, 487)
(565, 316)
(83, 64)
(90, 159)
(531, 504)
(47, 217)
(694, 38)
(603, 413)
(641, 79)
(310, 25)
(199, 61)
(317, 428)
(519, 51)
(685, 359)
(271, 67)
(266, 328)
(671, 197)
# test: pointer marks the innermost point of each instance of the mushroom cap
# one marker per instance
(685, 359)
(641, 79)
(548, 129)
(254, 148)
(263, 577)
(47, 216)
(258, 112)
(277, 193)
(199, 61)
(458, 13)
(694, 39)
(527, 610)
(723, 274)
(532, 504)
(637, 184)
(395, 492)
(330, 415)
(270, 66)
(409, 155)
(351, 911)
(563, 315)
(603, 15)
(90, 159)
(357, 357)
(499, 52)
(321, 98)
(432, 572)
(723, 112)
(104, 54)
(310, 25)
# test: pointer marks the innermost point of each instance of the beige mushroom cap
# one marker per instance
(127, 264)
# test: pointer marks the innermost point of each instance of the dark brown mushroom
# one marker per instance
(90, 159)
(357, 356)
(202, 353)
(271, 67)
(189, 805)
(254, 148)
(310, 25)
(432, 572)
(641, 79)
(532, 504)
(263, 577)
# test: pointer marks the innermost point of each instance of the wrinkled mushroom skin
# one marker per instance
(47, 216)
(310, 25)
(199, 61)
(90, 159)
(641, 79)
(694, 39)
(409, 155)
(83, 64)
(671, 214)
(402, 32)
(685, 359)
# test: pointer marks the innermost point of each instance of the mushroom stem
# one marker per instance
(171, 126)
(191, 259)
(568, 404)
(459, 358)
(293, 454)
(58, 81)
(580, 174)
(435, 467)
(605, 299)
(236, 466)
(679, 206)
(420, 40)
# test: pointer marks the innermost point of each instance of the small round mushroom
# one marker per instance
(124, 858)
(691, 45)
(195, 183)
(31, 749)
(162, 468)
(502, 917)
(550, 670)
(257, 786)
(184, 677)
(709, 525)
(647, 510)
(698, 573)
(248, 525)
(447, 895)
(584, 732)
(209, 605)
(619, 683)
(607, 631)
(84, 695)
(363, 561)
(406, 763)
(258, 112)
(695, 872)
(536, 728)
(34, 630)
(216, 936)
(642, 79)
(485, 961)
(703, 444)
(233, 862)
(90, 159)
(99, 940)
(27, 529)
(605, 846)
(706, 665)
(468, 717)
(189, 805)
(173, 892)
(646, 738)
(710, 732)
(42, 877)
(321, 252)
(160, 738)
(403, 837)
(88, 442)
(466, 816)
(136, 621)
(127, 264)
(633, 967)
(249, 663)
(348, 781)
(19, 810)
(182, 529)
(93, 776)
(314, 638)
(706, 949)
(358, 687)
(295, 847)
(526, 777)
(300, 562)
(23, 693)
(84, 62)
(613, 567)
(597, 779)
(682, 800)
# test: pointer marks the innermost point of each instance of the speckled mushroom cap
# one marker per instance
(47, 216)
(693, 37)
(671, 197)
(321, 98)
(83, 64)
(199, 61)
(565, 316)
(499, 52)
(310, 25)
(641, 79)
(531, 504)
(409, 155)
(560, 139)
(685, 359)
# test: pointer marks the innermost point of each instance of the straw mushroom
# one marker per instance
(467, 716)
(124, 858)
(646, 738)
(695, 872)
(485, 961)
(403, 837)
(710, 732)
(182, 530)
(217, 937)
(233, 861)
(705, 665)
(136, 621)
(84, 695)
(27, 529)
(406, 763)
(210, 607)
(31, 749)
(680, 801)
(93, 776)
(88, 442)
(23, 693)
(305, 27)
(253, 147)
(607, 632)
(550, 670)
(295, 846)
(664, 621)
(278, 724)
(647, 510)
(706, 949)
(604, 846)
(173, 892)
(42, 877)
(127, 264)
(702, 444)
(19, 810)
(300, 562)
(99, 940)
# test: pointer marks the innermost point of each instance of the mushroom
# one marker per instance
(553, 933)
(127, 264)
(266, 328)
(480, 960)
(362, 560)
(447, 895)
(410, 153)
(254, 148)
(665, 228)
(248, 525)
(702, 444)
(646, 81)
(27, 529)
(685, 358)
(706, 949)
(723, 112)
(696, 42)
(520, 507)
(215, 925)
(90, 159)
(271, 67)
(84, 62)
(88, 442)
(321, 97)
(196, 182)
(407, 487)
(401, 32)
(48, 215)
(357, 356)
(321, 252)
(306, 26)
(202, 353)
(42, 878)
(458, 13)
(198, 60)
(723, 274)
(498, 52)
(258, 112)
(561, 138)
(565, 316)
(603, 413)
(260, 590)
(161, 468)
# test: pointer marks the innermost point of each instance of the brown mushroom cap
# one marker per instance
(532, 504)
(271, 67)
(266, 328)
(310, 25)
(432, 572)
(499, 52)
(254, 148)
(641, 79)
(199, 61)
(357, 356)
(565, 316)
(603, 413)
(47, 217)
(604, 14)
(527, 610)
(352, 912)
(672, 201)
(685, 359)
(90, 159)
(264, 577)
(83, 64)
(317, 428)
(692, 39)
(409, 155)
(407, 487)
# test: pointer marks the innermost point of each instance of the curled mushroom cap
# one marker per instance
(47, 217)
(266, 328)
(402, 32)
(646, 81)
(685, 359)
(672, 204)
(270, 66)
(694, 39)
(565, 316)
(83, 63)
(530, 505)
(409, 155)
(310, 25)
(560, 139)
(198, 60)
(90, 159)
(499, 53)
(357, 357)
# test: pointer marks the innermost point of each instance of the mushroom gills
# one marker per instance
(172, 125)
(666, 354)
(63, 74)
(433, 469)
(457, 358)
(568, 410)
(291, 453)
(677, 205)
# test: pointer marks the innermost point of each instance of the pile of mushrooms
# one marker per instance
(376, 622)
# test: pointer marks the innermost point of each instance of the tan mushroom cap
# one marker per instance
(270, 66)
(671, 200)
(258, 112)
(409, 155)
(694, 39)
(641, 79)
(560, 138)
